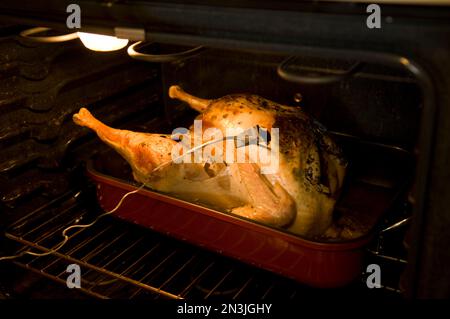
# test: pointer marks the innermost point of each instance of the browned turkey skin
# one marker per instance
(299, 197)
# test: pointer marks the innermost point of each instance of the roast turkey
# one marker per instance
(299, 196)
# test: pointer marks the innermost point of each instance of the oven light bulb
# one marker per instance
(104, 43)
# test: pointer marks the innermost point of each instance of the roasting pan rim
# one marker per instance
(125, 185)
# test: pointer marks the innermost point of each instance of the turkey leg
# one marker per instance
(198, 104)
(143, 151)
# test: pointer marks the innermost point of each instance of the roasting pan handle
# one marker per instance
(132, 52)
(315, 77)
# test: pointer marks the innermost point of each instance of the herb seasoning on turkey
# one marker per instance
(299, 197)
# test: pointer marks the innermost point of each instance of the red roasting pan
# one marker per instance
(377, 175)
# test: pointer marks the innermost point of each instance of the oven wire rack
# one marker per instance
(122, 260)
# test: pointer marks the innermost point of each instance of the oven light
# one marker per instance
(98, 42)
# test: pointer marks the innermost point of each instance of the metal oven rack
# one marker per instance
(121, 260)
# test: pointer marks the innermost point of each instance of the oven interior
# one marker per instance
(373, 112)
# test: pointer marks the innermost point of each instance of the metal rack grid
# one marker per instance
(121, 260)
(124, 260)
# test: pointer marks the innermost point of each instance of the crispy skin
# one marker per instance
(312, 166)
(300, 197)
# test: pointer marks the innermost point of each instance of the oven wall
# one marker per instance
(42, 86)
